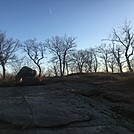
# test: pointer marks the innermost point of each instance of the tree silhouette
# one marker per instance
(126, 39)
(79, 58)
(35, 50)
(103, 52)
(60, 47)
(8, 48)
(118, 53)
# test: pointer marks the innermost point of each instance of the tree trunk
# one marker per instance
(112, 69)
(67, 68)
(120, 67)
(39, 70)
(95, 69)
(106, 66)
(64, 62)
(55, 71)
(4, 71)
(95, 65)
(128, 63)
(80, 68)
(61, 73)
(90, 68)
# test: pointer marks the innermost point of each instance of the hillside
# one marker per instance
(79, 103)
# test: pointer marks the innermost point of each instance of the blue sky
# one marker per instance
(88, 20)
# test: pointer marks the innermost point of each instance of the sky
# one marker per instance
(89, 21)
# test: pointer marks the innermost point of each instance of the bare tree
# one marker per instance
(49, 72)
(52, 71)
(54, 67)
(103, 52)
(79, 58)
(35, 50)
(8, 47)
(111, 62)
(118, 53)
(126, 39)
(95, 60)
(90, 60)
(85, 60)
(60, 47)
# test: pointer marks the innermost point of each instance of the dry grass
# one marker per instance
(9, 81)
(126, 78)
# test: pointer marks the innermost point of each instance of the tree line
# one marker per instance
(115, 54)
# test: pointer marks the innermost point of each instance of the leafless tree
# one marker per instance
(103, 52)
(49, 72)
(126, 39)
(91, 60)
(35, 51)
(52, 71)
(112, 62)
(85, 60)
(60, 47)
(118, 53)
(8, 47)
(79, 58)
(54, 67)
(95, 60)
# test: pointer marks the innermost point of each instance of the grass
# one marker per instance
(126, 78)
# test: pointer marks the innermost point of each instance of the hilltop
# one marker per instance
(78, 103)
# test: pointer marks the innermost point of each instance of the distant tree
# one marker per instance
(72, 67)
(54, 67)
(35, 51)
(118, 53)
(85, 60)
(8, 47)
(126, 39)
(111, 62)
(49, 72)
(95, 60)
(67, 64)
(79, 59)
(60, 47)
(103, 52)
(91, 60)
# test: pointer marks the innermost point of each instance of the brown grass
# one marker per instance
(126, 78)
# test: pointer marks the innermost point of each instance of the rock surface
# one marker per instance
(65, 108)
